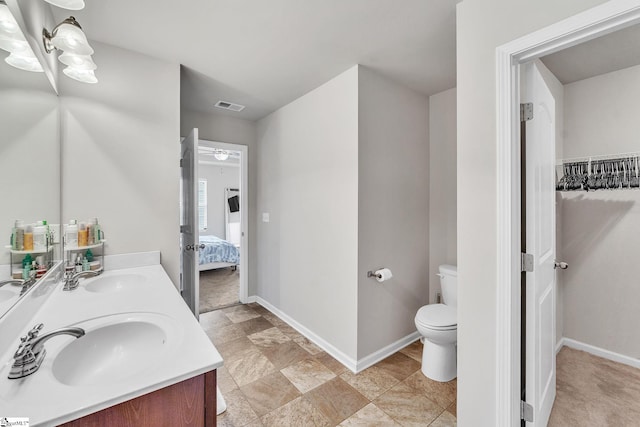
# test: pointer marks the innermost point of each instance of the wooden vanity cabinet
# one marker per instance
(189, 403)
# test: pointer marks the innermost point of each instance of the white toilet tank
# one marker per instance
(449, 284)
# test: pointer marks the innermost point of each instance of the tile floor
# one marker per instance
(592, 391)
(273, 376)
(219, 288)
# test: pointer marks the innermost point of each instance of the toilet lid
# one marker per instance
(437, 315)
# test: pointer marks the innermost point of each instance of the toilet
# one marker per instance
(438, 325)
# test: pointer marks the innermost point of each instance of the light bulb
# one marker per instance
(84, 76)
(67, 4)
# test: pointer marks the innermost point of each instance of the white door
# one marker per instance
(541, 243)
(189, 236)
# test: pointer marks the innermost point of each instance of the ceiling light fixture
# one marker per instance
(69, 38)
(67, 4)
(12, 40)
(221, 154)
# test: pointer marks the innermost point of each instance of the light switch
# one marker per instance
(265, 216)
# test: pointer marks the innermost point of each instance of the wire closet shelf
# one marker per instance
(610, 172)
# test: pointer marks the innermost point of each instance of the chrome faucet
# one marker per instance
(72, 280)
(26, 284)
(31, 351)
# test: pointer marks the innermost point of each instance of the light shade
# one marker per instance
(8, 24)
(67, 4)
(27, 62)
(14, 46)
(77, 62)
(221, 154)
(69, 37)
(84, 76)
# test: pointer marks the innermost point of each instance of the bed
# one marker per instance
(217, 253)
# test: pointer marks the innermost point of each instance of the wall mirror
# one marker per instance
(29, 173)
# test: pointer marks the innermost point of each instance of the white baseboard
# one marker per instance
(251, 299)
(353, 365)
(600, 352)
(347, 361)
(385, 352)
(559, 345)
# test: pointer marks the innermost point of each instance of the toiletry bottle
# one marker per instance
(40, 236)
(83, 235)
(26, 261)
(97, 230)
(91, 235)
(79, 263)
(26, 272)
(85, 264)
(71, 234)
(17, 240)
(89, 255)
(28, 238)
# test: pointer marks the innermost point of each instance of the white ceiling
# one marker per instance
(613, 52)
(266, 53)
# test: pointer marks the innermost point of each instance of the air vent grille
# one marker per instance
(225, 105)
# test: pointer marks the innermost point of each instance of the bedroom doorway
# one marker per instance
(222, 222)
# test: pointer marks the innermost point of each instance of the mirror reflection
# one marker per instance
(30, 179)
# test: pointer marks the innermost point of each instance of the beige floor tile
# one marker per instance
(298, 413)
(399, 365)
(408, 407)
(250, 368)
(453, 408)
(307, 345)
(369, 416)
(274, 320)
(445, 420)
(307, 374)
(269, 393)
(286, 354)
(254, 423)
(442, 393)
(236, 349)
(414, 351)
(288, 331)
(371, 382)
(225, 333)
(213, 319)
(337, 400)
(327, 360)
(254, 325)
(224, 381)
(239, 412)
(240, 313)
(258, 308)
(269, 337)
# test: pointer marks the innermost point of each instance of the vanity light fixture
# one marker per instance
(69, 38)
(12, 40)
(221, 154)
(67, 4)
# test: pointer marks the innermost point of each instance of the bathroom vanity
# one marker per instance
(143, 358)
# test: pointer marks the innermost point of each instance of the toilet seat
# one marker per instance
(438, 317)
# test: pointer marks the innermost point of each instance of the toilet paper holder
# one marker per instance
(374, 275)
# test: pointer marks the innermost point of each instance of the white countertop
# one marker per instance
(47, 401)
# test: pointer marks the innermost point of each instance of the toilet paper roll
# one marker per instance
(383, 274)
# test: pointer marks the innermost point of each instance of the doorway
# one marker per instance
(594, 23)
(222, 213)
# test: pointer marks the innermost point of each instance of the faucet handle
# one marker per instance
(33, 332)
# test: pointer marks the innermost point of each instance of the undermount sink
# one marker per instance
(6, 295)
(116, 282)
(115, 349)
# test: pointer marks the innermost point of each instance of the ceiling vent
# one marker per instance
(229, 106)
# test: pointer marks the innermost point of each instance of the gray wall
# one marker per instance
(393, 206)
(218, 179)
(442, 186)
(307, 173)
(481, 27)
(600, 234)
(220, 128)
(120, 151)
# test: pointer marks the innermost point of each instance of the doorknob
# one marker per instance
(560, 265)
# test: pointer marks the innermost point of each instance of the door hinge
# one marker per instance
(526, 112)
(184, 229)
(181, 162)
(526, 411)
(526, 262)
